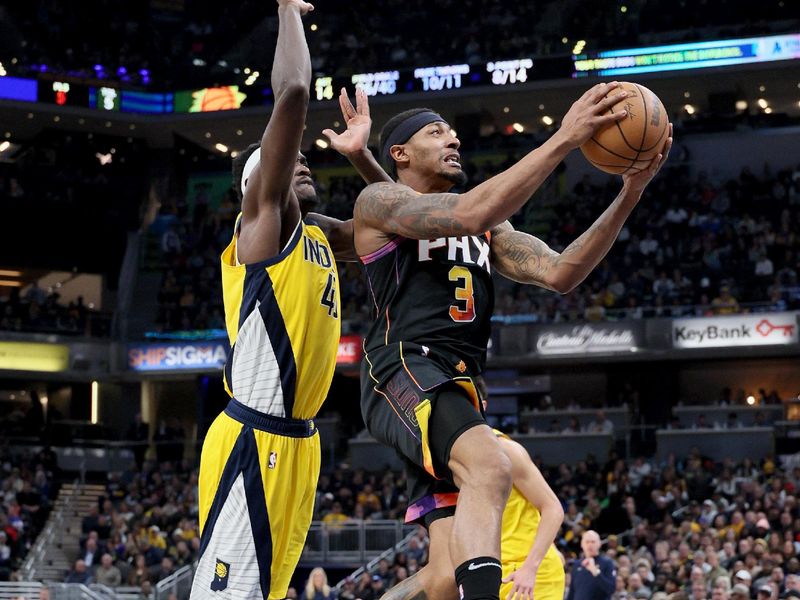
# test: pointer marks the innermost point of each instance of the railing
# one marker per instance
(75, 591)
(373, 564)
(352, 541)
(13, 590)
(54, 527)
(179, 583)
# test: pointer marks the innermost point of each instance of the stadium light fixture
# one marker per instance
(690, 110)
(518, 127)
(221, 147)
(762, 103)
(751, 400)
(95, 397)
(547, 120)
(741, 105)
(321, 143)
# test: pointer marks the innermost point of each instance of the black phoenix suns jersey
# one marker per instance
(437, 294)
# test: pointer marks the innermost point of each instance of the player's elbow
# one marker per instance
(561, 283)
(474, 220)
(294, 90)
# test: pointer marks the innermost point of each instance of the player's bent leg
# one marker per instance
(482, 472)
(435, 580)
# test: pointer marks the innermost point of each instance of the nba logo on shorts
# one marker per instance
(273, 458)
(220, 581)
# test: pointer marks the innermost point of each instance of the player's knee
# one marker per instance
(488, 470)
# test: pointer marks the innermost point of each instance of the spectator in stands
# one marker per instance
(725, 303)
(317, 587)
(139, 573)
(138, 434)
(165, 569)
(90, 522)
(601, 424)
(594, 576)
(91, 552)
(335, 516)
(574, 426)
(107, 574)
(79, 574)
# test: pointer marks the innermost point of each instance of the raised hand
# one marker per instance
(590, 112)
(355, 138)
(305, 7)
(638, 181)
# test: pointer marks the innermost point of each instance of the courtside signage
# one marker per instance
(23, 356)
(696, 55)
(585, 339)
(350, 350)
(177, 357)
(767, 329)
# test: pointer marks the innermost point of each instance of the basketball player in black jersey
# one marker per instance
(429, 255)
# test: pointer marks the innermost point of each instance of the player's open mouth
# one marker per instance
(452, 160)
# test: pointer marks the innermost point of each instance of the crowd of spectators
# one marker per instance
(41, 311)
(675, 529)
(695, 246)
(27, 488)
(181, 42)
(142, 530)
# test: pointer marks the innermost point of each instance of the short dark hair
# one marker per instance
(238, 167)
(387, 130)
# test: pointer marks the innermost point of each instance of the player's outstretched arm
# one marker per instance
(526, 259)
(269, 186)
(529, 481)
(352, 143)
(397, 209)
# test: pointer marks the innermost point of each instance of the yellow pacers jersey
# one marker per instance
(520, 524)
(282, 317)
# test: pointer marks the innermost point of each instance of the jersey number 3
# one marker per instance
(329, 297)
(464, 310)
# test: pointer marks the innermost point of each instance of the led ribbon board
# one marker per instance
(697, 55)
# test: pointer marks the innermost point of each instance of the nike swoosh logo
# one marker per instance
(473, 566)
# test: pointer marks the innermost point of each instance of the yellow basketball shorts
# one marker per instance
(258, 478)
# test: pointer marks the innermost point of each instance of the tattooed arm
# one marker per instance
(526, 259)
(408, 589)
(386, 209)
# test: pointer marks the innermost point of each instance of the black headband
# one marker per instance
(403, 132)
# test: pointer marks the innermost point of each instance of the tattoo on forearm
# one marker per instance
(408, 589)
(400, 210)
(522, 257)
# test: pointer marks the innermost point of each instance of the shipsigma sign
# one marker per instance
(177, 357)
(770, 329)
(585, 339)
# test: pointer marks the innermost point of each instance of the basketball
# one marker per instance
(629, 145)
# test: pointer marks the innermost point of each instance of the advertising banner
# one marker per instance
(767, 329)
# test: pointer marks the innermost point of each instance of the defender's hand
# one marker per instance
(588, 114)
(524, 580)
(358, 123)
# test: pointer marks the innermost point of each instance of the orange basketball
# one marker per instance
(629, 145)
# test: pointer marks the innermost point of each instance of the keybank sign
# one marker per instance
(177, 357)
(768, 329)
(586, 339)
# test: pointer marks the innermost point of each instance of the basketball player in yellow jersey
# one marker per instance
(532, 566)
(260, 459)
